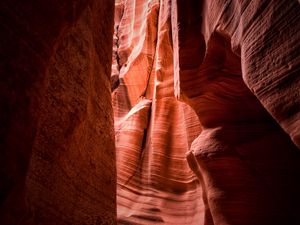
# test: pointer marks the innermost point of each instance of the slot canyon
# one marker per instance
(141, 112)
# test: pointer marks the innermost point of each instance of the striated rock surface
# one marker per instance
(153, 130)
(236, 64)
(57, 141)
(238, 72)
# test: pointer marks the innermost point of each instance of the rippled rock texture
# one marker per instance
(153, 129)
(236, 64)
(57, 140)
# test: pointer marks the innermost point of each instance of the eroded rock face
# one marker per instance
(244, 76)
(153, 129)
(57, 145)
(235, 64)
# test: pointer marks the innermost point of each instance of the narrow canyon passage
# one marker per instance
(141, 112)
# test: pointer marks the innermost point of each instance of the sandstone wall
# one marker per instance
(236, 64)
(153, 129)
(238, 72)
(57, 145)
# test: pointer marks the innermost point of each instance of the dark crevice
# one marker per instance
(115, 82)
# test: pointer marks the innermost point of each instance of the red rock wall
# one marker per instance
(240, 75)
(57, 145)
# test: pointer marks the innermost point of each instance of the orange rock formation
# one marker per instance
(235, 64)
(149, 112)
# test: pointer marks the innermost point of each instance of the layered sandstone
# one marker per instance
(241, 80)
(153, 129)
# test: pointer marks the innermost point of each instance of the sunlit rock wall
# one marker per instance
(57, 142)
(153, 130)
